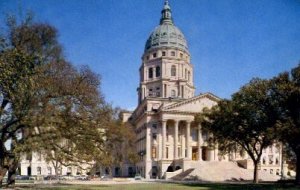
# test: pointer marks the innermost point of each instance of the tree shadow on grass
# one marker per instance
(243, 186)
(61, 187)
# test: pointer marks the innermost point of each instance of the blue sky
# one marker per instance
(230, 41)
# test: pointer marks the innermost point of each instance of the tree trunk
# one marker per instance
(255, 174)
(297, 167)
(2, 174)
(12, 173)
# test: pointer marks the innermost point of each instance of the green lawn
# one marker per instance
(165, 186)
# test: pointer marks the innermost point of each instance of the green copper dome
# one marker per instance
(166, 34)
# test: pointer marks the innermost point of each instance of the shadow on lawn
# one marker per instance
(244, 186)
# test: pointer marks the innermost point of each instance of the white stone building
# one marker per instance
(168, 139)
(35, 165)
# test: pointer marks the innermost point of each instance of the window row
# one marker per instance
(173, 72)
(165, 53)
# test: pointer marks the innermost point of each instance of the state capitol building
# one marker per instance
(169, 141)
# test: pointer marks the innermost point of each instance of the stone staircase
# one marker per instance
(221, 171)
(183, 174)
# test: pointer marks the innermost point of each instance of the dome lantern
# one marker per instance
(166, 14)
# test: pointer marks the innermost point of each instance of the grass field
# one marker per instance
(164, 186)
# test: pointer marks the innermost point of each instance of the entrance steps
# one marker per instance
(221, 171)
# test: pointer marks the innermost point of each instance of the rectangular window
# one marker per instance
(194, 135)
(163, 53)
(154, 136)
(167, 133)
(167, 152)
(173, 53)
(150, 74)
(157, 71)
(150, 92)
(173, 70)
(154, 125)
(153, 152)
(181, 55)
(49, 170)
(147, 57)
(154, 55)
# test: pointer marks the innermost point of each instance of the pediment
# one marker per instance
(193, 105)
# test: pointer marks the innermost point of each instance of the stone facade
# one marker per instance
(35, 165)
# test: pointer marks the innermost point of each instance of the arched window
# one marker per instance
(173, 71)
(173, 93)
(150, 74)
(185, 74)
(157, 70)
(189, 75)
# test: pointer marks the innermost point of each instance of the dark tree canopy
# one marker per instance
(246, 121)
(47, 105)
(286, 94)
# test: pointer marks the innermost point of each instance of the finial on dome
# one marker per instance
(166, 14)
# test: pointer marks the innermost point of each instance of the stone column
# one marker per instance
(159, 142)
(199, 142)
(217, 153)
(148, 143)
(182, 149)
(162, 94)
(188, 136)
(176, 140)
(164, 133)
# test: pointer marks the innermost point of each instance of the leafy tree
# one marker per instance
(119, 144)
(19, 65)
(15, 98)
(46, 103)
(286, 94)
(246, 121)
(69, 132)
